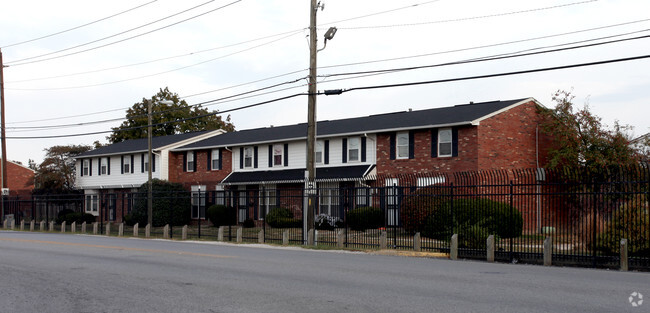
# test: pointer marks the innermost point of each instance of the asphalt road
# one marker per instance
(77, 273)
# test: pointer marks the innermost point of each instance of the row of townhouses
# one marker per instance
(348, 152)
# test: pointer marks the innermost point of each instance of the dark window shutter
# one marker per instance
(99, 167)
(220, 159)
(122, 164)
(81, 167)
(270, 155)
(209, 160)
(255, 157)
(286, 154)
(241, 157)
(185, 161)
(345, 150)
(194, 161)
(153, 162)
(142, 163)
(363, 149)
(132, 163)
(454, 142)
(434, 143)
(411, 144)
(392, 146)
(326, 152)
(108, 165)
(90, 169)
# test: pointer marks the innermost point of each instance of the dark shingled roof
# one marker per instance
(298, 175)
(455, 115)
(139, 145)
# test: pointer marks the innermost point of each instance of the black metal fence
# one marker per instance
(585, 213)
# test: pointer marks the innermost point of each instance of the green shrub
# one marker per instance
(70, 216)
(282, 218)
(419, 205)
(60, 217)
(365, 218)
(627, 222)
(221, 215)
(473, 236)
(248, 223)
(497, 218)
(171, 205)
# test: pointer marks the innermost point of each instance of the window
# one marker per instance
(248, 157)
(103, 166)
(392, 201)
(402, 145)
(198, 202)
(444, 142)
(92, 204)
(362, 197)
(267, 194)
(329, 199)
(277, 155)
(127, 164)
(220, 196)
(85, 167)
(354, 148)
(215, 159)
(190, 161)
(318, 150)
(145, 158)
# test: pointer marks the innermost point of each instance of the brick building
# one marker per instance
(20, 179)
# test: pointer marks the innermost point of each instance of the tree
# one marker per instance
(170, 205)
(167, 119)
(582, 141)
(56, 174)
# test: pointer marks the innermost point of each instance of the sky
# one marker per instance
(74, 67)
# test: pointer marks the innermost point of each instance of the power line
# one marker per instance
(121, 40)
(77, 27)
(470, 18)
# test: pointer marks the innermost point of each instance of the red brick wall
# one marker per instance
(508, 139)
(201, 176)
(422, 161)
(20, 180)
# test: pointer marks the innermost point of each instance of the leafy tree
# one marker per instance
(582, 141)
(163, 117)
(171, 204)
(56, 174)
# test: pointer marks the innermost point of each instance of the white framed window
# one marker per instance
(190, 162)
(146, 161)
(215, 159)
(92, 204)
(198, 201)
(220, 195)
(278, 151)
(267, 194)
(318, 152)
(392, 201)
(444, 142)
(103, 166)
(362, 197)
(85, 167)
(127, 164)
(248, 157)
(354, 149)
(329, 199)
(402, 145)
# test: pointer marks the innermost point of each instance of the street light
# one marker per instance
(150, 161)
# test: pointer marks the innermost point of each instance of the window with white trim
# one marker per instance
(85, 167)
(444, 142)
(215, 159)
(103, 166)
(220, 196)
(146, 161)
(392, 201)
(92, 204)
(318, 152)
(190, 162)
(402, 145)
(267, 194)
(278, 151)
(248, 157)
(354, 149)
(329, 199)
(127, 164)
(198, 201)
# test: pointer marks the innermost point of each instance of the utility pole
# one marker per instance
(2, 135)
(311, 117)
(149, 183)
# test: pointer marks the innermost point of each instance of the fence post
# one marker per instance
(624, 260)
(73, 227)
(383, 240)
(285, 237)
(52, 226)
(184, 233)
(83, 227)
(260, 236)
(63, 227)
(31, 225)
(41, 225)
(453, 252)
(108, 229)
(135, 230)
(120, 230)
(220, 233)
(166, 232)
(147, 231)
(548, 251)
(417, 242)
(95, 228)
(340, 238)
(490, 248)
(239, 234)
(22, 224)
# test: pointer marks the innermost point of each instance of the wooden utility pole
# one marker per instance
(2, 134)
(311, 118)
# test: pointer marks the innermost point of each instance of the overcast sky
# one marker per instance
(82, 74)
